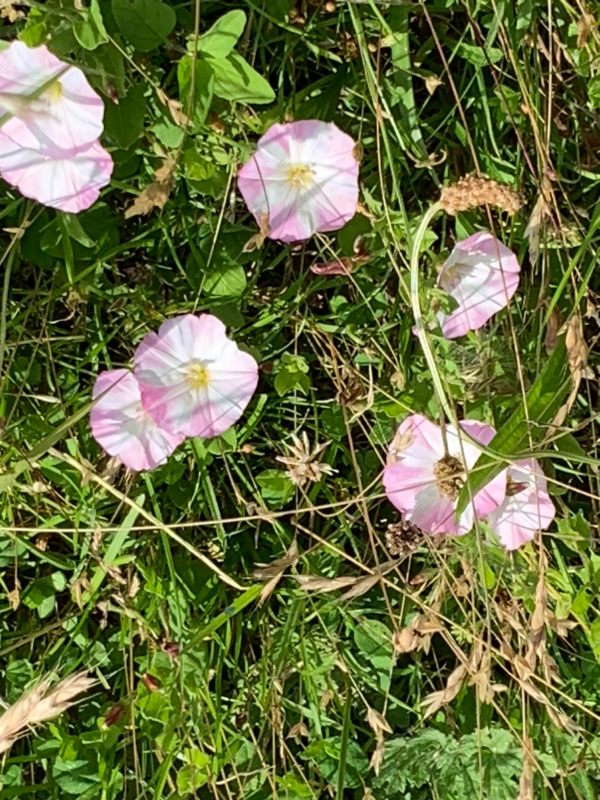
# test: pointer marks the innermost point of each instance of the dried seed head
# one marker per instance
(402, 538)
(474, 192)
(302, 462)
(449, 473)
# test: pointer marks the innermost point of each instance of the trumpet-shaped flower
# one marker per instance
(482, 275)
(426, 470)
(123, 428)
(67, 182)
(527, 507)
(303, 179)
(194, 380)
(46, 103)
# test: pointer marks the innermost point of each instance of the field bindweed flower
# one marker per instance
(50, 103)
(527, 506)
(194, 380)
(123, 428)
(482, 275)
(423, 479)
(303, 179)
(66, 182)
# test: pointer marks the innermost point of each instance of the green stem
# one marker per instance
(416, 309)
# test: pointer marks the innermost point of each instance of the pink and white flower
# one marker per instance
(303, 179)
(527, 506)
(59, 180)
(50, 103)
(122, 427)
(194, 380)
(424, 474)
(482, 275)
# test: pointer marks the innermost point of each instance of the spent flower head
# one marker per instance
(302, 461)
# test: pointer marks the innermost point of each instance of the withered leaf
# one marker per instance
(156, 194)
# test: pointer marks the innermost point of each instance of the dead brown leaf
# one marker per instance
(175, 109)
(552, 328)
(431, 83)
(361, 586)
(405, 640)
(577, 354)
(342, 266)
(526, 782)
(156, 194)
(274, 571)
(540, 213)
(256, 241)
(585, 25)
(313, 583)
(14, 596)
(435, 700)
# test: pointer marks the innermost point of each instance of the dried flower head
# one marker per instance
(473, 191)
(10, 11)
(302, 462)
(401, 538)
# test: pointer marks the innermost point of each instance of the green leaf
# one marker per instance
(75, 777)
(41, 597)
(195, 773)
(543, 401)
(90, 31)
(203, 87)
(225, 280)
(168, 134)
(327, 754)
(144, 23)
(220, 40)
(124, 122)
(292, 374)
(594, 91)
(374, 640)
(237, 81)
(276, 488)
(479, 56)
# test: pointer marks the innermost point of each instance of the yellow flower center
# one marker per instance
(300, 176)
(54, 92)
(197, 376)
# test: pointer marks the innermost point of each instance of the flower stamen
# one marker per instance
(301, 176)
(197, 375)
(54, 92)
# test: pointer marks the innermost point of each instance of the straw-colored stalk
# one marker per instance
(39, 705)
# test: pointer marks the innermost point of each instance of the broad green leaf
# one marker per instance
(225, 280)
(594, 637)
(75, 777)
(198, 106)
(292, 375)
(168, 134)
(276, 488)
(90, 31)
(124, 122)
(144, 23)
(593, 89)
(237, 81)
(543, 401)
(327, 756)
(479, 56)
(220, 40)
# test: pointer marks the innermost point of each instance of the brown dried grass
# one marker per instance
(39, 705)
